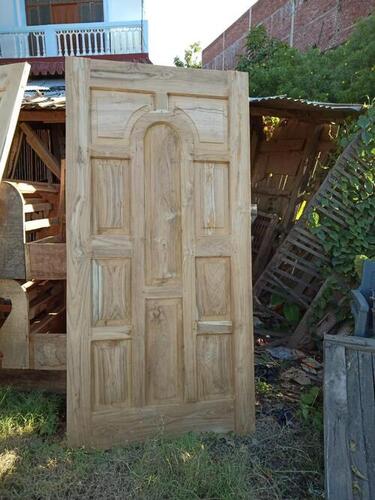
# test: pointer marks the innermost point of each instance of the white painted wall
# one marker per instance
(122, 10)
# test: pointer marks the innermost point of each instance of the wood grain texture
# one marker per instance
(164, 356)
(212, 204)
(14, 334)
(158, 218)
(48, 351)
(163, 205)
(111, 361)
(111, 190)
(349, 412)
(213, 288)
(13, 80)
(215, 371)
(12, 235)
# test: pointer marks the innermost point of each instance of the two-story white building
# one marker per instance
(44, 31)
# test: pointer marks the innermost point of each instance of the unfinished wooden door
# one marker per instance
(158, 243)
(13, 80)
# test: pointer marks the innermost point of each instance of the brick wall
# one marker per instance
(301, 23)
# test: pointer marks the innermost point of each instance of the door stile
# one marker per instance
(188, 278)
(137, 175)
(241, 253)
(78, 208)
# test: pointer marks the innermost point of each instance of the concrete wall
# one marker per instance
(12, 14)
(300, 23)
(122, 10)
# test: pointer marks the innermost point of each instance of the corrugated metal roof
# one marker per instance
(284, 102)
(46, 94)
(55, 66)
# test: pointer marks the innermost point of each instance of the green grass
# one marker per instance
(25, 413)
(277, 462)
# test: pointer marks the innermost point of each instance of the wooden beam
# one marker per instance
(41, 149)
(29, 187)
(14, 152)
(44, 116)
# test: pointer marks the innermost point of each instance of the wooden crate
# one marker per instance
(349, 417)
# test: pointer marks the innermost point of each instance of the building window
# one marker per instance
(63, 11)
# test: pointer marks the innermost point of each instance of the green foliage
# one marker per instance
(292, 313)
(192, 58)
(289, 310)
(26, 413)
(263, 387)
(310, 408)
(343, 74)
(348, 245)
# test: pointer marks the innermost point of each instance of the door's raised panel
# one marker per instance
(162, 157)
(213, 288)
(111, 362)
(111, 291)
(215, 366)
(111, 192)
(212, 203)
(210, 116)
(111, 112)
(164, 346)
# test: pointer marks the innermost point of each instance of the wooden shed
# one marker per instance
(285, 171)
(158, 250)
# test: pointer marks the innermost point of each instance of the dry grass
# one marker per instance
(277, 462)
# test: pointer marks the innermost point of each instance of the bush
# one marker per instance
(343, 74)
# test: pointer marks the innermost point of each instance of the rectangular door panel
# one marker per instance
(158, 247)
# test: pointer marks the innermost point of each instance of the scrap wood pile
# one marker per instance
(295, 278)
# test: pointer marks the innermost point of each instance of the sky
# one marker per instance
(175, 24)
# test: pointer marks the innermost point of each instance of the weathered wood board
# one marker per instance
(158, 252)
(13, 80)
(349, 417)
(30, 336)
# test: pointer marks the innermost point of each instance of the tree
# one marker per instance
(192, 59)
(346, 73)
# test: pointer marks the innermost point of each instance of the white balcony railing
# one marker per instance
(74, 40)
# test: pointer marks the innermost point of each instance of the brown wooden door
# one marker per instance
(158, 223)
(13, 80)
(65, 13)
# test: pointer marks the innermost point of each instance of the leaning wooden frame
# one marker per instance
(158, 252)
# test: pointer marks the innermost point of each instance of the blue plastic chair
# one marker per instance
(362, 304)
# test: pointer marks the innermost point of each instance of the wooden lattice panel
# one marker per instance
(296, 271)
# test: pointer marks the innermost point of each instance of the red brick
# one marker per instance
(321, 23)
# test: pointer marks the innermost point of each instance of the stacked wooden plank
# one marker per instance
(31, 246)
(296, 272)
(349, 414)
(32, 242)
